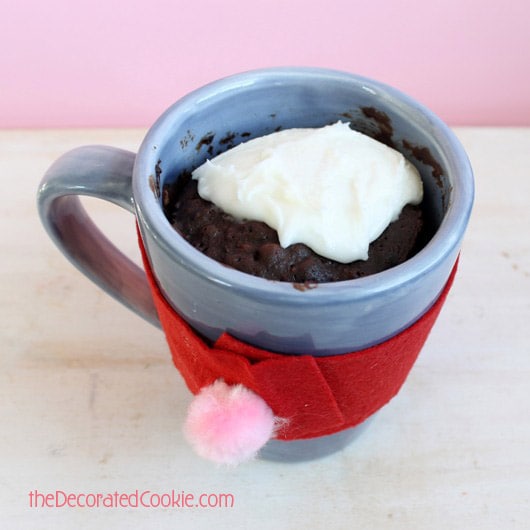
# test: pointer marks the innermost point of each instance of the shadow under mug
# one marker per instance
(330, 319)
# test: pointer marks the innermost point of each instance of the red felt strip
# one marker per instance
(316, 395)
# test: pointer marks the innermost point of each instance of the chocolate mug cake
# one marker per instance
(253, 247)
(324, 356)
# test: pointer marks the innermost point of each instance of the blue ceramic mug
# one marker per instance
(332, 318)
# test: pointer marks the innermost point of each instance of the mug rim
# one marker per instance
(444, 241)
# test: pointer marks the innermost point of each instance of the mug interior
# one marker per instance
(240, 113)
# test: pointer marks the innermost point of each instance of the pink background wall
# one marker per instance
(110, 63)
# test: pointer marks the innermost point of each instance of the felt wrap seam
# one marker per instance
(317, 396)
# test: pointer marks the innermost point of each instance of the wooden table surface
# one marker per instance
(91, 404)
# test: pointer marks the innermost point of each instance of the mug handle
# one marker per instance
(106, 173)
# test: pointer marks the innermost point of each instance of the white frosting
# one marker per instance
(332, 188)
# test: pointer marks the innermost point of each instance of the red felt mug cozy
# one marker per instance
(292, 397)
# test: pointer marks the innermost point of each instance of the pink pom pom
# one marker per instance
(228, 424)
